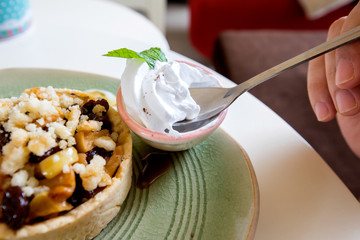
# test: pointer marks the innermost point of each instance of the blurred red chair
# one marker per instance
(211, 17)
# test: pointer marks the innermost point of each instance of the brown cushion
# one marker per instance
(240, 55)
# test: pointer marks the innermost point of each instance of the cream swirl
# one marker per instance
(159, 97)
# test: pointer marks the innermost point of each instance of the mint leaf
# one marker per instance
(154, 53)
(149, 56)
(123, 53)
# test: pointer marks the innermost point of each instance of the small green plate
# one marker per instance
(209, 192)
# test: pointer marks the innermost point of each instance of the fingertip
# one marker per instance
(348, 66)
(335, 28)
(345, 73)
(318, 91)
(323, 112)
(346, 102)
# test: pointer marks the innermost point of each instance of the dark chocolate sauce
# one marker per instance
(154, 165)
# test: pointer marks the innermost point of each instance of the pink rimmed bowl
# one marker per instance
(163, 141)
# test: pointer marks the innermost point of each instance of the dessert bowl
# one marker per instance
(164, 141)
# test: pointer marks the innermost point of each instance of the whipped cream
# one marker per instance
(159, 97)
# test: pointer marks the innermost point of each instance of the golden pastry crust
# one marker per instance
(89, 218)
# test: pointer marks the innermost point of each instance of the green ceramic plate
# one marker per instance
(209, 191)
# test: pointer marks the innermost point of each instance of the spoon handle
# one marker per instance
(325, 47)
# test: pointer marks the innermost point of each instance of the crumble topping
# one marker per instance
(54, 146)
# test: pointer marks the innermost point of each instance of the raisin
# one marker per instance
(87, 109)
(4, 138)
(15, 207)
(36, 159)
(88, 106)
(76, 197)
(80, 195)
(95, 117)
(103, 103)
(106, 124)
(98, 151)
(104, 119)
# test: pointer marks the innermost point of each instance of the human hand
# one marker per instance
(334, 83)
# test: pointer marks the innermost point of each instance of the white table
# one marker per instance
(75, 34)
(300, 196)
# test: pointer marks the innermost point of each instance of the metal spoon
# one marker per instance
(212, 101)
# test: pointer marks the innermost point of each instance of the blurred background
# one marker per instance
(192, 26)
(172, 17)
(178, 31)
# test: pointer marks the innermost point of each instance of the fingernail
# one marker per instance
(321, 111)
(344, 72)
(345, 101)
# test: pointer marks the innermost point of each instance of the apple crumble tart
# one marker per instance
(65, 164)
